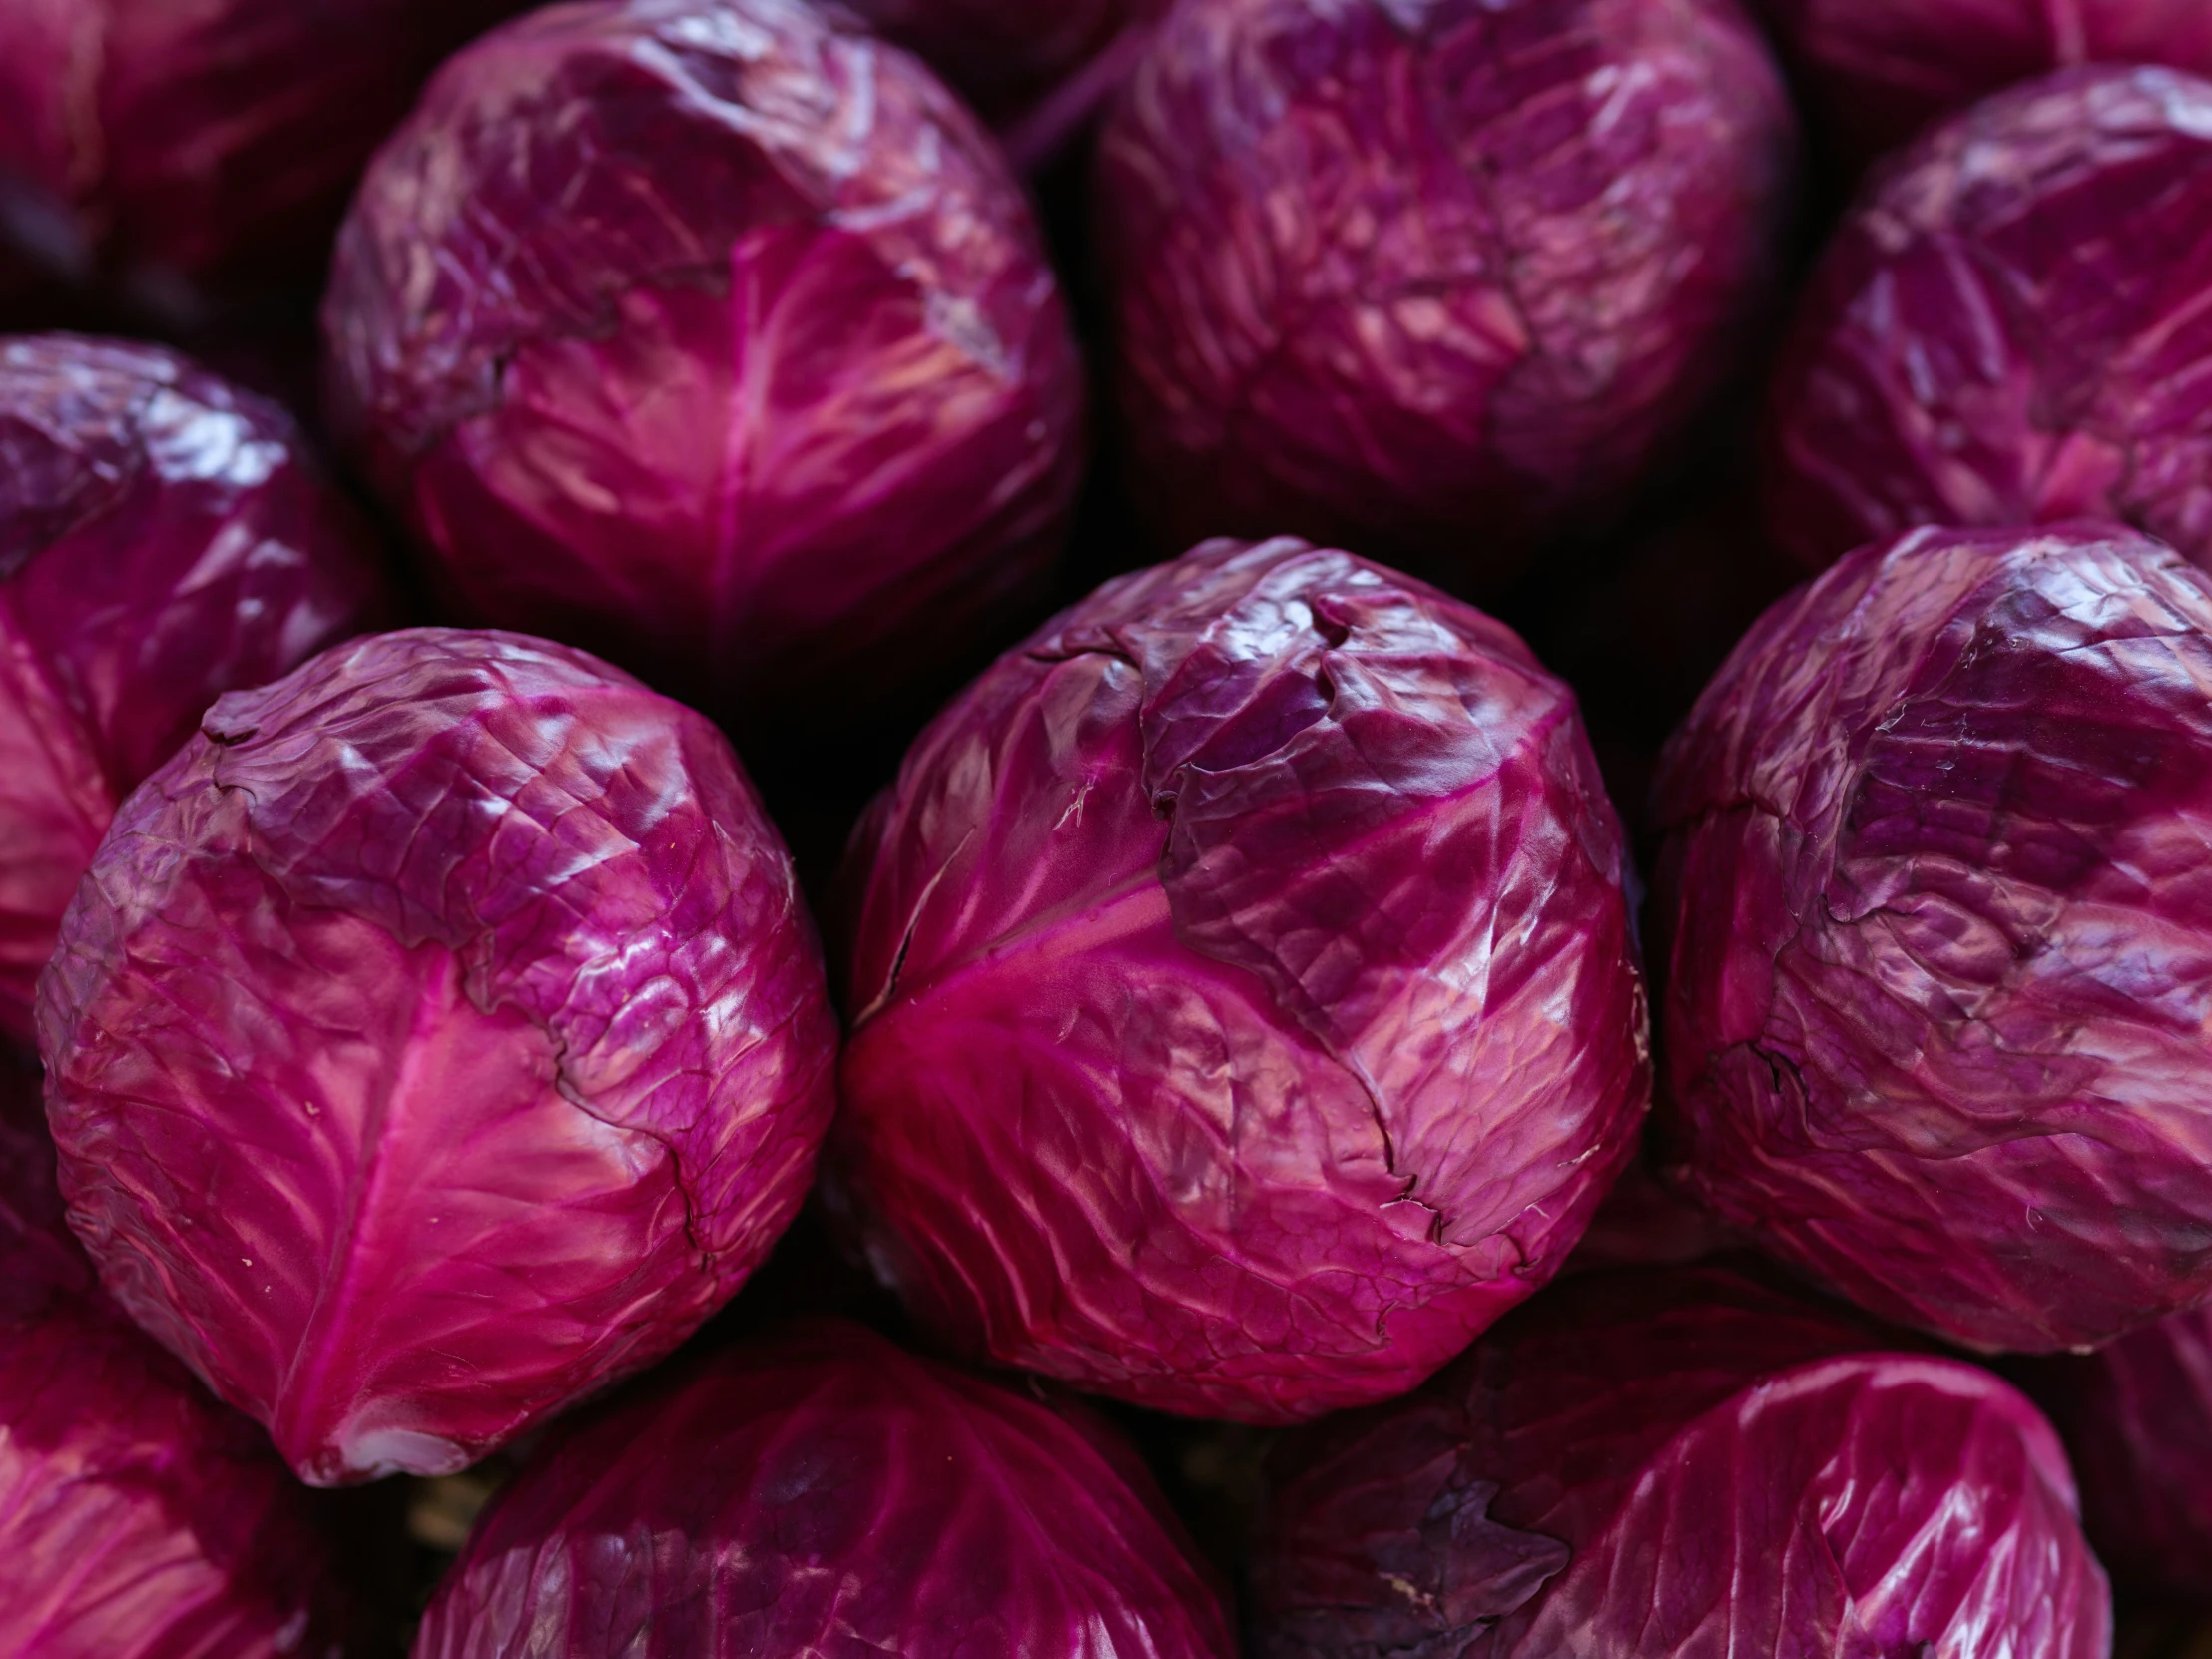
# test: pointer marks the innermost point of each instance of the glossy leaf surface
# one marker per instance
(824, 1494)
(162, 539)
(1246, 1010)
(138, 1519)
(1938, 880)
(1676, 1463)
(437, 1037)
(779, 403)
(1410, 276)
(2008, 330)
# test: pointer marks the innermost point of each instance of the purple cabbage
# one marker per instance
(1675, 1465)
(138, 1519)
(1938, 880)
(1386, 272)
(166, 148)
(437, 1037)
(162, 539)
(1245, 1010)
(779, 404)
(2137, 1419)
(2006, 330)
(825, 1492)
(1881, 69)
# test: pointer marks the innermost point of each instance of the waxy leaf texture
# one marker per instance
(162, 539)
(716, 335)
(824, 1493)
(1675, 1465)
(1878, 70)
(138, 1520)
(2008, 329)
(1413, 275)
(437, 1037)
(1245, 1011)
(176, 149)
(1938, 883)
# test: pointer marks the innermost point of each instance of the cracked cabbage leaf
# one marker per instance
(437, 1038)
(1385, 269)
(1245, 1008)
(715, 335)
(1939, 879)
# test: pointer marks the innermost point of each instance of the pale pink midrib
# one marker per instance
(299, 1390)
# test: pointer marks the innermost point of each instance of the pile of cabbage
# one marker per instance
(1313, 829)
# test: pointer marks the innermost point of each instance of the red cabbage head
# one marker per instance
(165, 147)
(1939, 878)
(138, 1519)
(1383, 269)
(1881, 69)
(2137, 1418)
(1675, 1464)
(824, 1493)
(437, 1037)
(2006, 330)
(1245, 1011)
(780, 402)
(164, 538)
